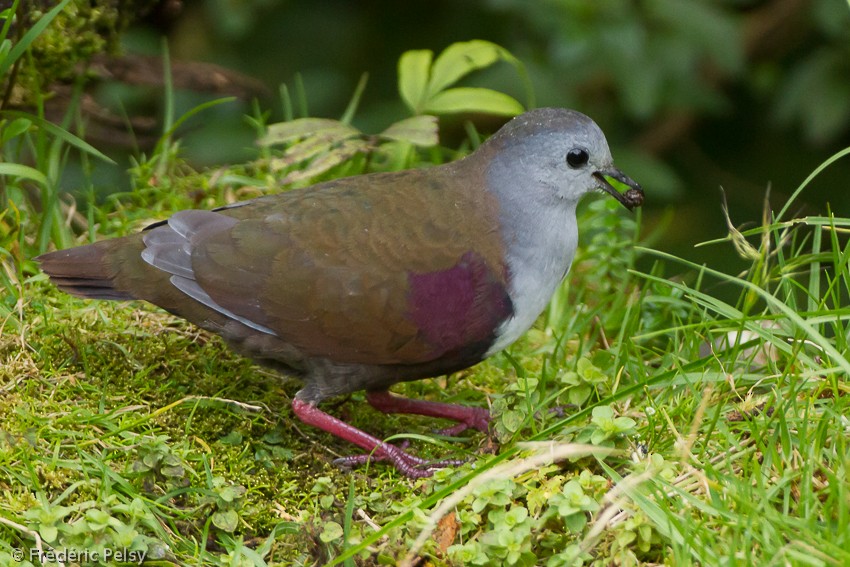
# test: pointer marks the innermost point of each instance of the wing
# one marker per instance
(383, 269)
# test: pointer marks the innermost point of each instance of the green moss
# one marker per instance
(84, 29)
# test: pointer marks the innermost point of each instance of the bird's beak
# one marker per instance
(631, 198)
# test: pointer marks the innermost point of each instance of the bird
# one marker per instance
(363, 282)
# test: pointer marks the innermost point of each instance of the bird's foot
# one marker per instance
(407, 464)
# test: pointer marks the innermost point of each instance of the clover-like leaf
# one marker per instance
(48, 533)
(590, 373)
(512, 420)
(226, 520)
(473, 99)
(326, 501)
(461, 58)
(579, 394)
(425, 87)
(331, 531)
(414, 71)
(624, 424)
(602, 415)
(231, 493)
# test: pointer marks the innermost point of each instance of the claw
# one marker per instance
(409, 465)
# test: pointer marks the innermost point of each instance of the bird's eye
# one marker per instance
(577, 157)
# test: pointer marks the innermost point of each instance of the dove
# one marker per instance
(363, 282)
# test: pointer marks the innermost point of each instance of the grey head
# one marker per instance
(539, 165)
(559, 154)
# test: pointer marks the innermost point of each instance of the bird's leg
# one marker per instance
(407, 464)
(466, 417)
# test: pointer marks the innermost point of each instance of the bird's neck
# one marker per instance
(540, 238)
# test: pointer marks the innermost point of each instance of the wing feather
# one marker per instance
(376, 270)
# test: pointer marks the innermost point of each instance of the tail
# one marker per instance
(85, 271)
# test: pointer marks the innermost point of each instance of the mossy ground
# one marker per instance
(98, 384)
(626, 429)
(124, 426)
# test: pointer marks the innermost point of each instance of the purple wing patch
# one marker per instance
(458, 307)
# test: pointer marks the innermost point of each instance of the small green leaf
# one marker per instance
(174, 471)
(282, 453)
(305, 150)
(622, 424)
(512, 420)
(226, 520)
(473, 99)
(602, 414)
(124, 536)
(575, 522)
(97, 520)
(460, 59)
(323, 485)
(274, 437)
(417, 130)
(332, 531)
(598, 436)
(579, 394)
(470, 553)
(569, 377)
(326, 501)
(414, 68)
(48, 533)
(231, 493)
(625, 538)
(516, 516)
(151, 460)
(232, 438)
(15, 128)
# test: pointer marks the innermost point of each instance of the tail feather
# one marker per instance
(83, 271)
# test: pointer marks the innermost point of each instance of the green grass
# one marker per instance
(123, 427)
(644, 420)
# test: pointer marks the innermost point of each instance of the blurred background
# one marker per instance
(694, 95)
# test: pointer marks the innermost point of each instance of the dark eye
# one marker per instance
(577, 157)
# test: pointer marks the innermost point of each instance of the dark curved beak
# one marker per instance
(632, 198)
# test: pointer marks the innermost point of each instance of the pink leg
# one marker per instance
(476, 418)
(407, 464)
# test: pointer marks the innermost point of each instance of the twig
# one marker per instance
(614, 507)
